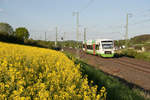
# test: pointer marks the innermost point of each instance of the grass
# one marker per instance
(116, 90)
(145, 56)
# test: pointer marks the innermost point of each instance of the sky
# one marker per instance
(101, 18)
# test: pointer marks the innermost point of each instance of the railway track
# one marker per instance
(127, 62)
(131, 70)
(138, 67)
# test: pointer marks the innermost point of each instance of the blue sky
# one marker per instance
(102, 18)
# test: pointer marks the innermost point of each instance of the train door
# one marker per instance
(94, 48)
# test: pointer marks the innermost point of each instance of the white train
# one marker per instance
(102, 47)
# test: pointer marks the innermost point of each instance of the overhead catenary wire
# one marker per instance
(140, 13)
(140, 22)
(86, 6)
(143, 16)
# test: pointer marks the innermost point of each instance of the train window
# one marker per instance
(89, 47)
(92, 47)
(97, 47)
(83, 45)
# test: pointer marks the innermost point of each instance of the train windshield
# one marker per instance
(107, 44)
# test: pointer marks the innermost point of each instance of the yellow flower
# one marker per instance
(42, 74)
(103, 89)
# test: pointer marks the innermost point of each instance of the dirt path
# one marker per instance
(132, 70)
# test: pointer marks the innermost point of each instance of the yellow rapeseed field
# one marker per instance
(41, 74)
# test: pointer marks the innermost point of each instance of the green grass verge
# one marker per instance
(133, 54)
(116, 90)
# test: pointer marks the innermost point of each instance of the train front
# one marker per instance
(107, 48)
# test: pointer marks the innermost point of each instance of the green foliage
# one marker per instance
(143, 56)
(140, 39)
(71, 43)
(129, 53)
(39, 43)
(21, 33)
(6, 29)
(132, 53)
(138, 47)
(119, 43)
(10, 39)
(147, 47)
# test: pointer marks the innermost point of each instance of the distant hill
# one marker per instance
(140, 39)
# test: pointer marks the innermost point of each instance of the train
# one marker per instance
(101, 47)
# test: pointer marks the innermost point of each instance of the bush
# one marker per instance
(133, 54)
(10, 38)
(140, 39)
(129, 53)
(147, 47)
(21, 33)
(143, 56)
(138, 47)
(6, 29)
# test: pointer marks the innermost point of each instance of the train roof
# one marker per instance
(98, 40)
(103, 40)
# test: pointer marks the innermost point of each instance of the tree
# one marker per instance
(21, 33)
(6, 29)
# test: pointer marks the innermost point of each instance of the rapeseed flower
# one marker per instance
(35, 73)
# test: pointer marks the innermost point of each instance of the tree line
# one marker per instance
(20, 33)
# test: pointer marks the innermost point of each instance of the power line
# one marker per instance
(86, 6)
(140, 22)
(141, 12)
